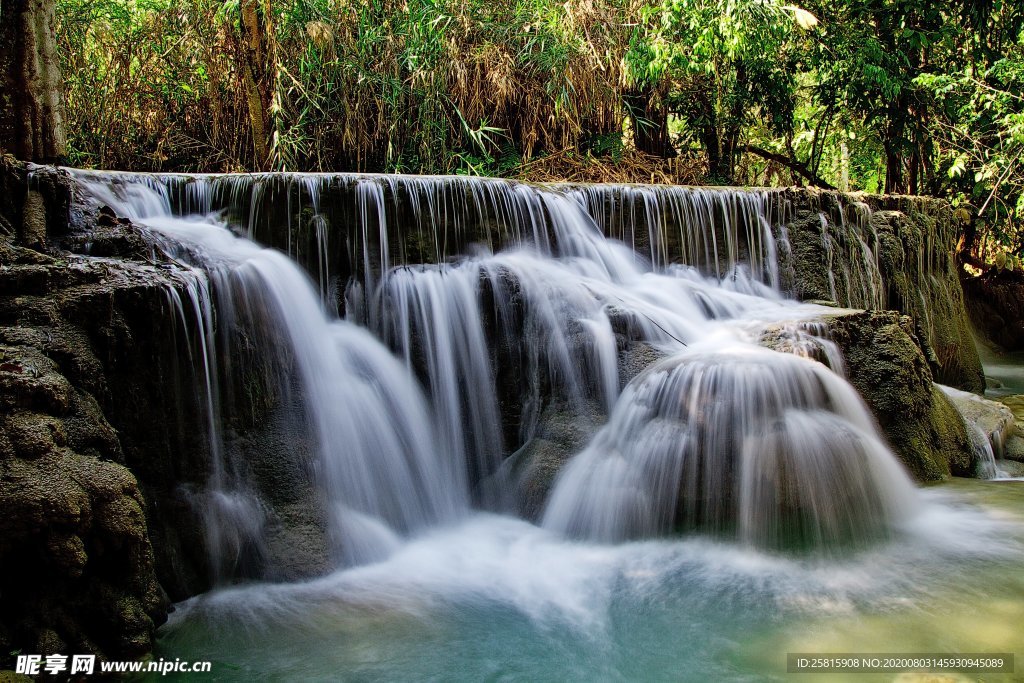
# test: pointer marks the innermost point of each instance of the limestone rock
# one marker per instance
(561, 433)
(823, 241)
(886, 365)
(1010, 468)
(77, 571)
(1014, 448)
(993, 419)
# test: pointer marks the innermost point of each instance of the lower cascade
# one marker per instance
(772, 449)
(543, 443)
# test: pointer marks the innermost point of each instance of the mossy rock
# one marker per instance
(913, 272)
(886, 365)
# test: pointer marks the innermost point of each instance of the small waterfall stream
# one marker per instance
(379, 465)
(426, 327)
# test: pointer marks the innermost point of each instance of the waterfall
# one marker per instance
(424, 325)
(770, 448)
(377, 458)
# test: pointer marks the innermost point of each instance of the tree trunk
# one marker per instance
(894, 179)
(717, 167)
(31, 102)
(256, 79)
(844, 165)
(649, 116)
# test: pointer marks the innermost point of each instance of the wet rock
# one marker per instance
(1015, 402)
(886, 365)
(562, 432)
(1010, 468)
(70, 524)
(635, 358)
(916, 274)
(992, 419)
(297, 542)
(73, 535)
(1014, 448)
(109, 236)
(996, 307)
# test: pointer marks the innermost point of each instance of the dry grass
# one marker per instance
(478, 86)
(631, 166)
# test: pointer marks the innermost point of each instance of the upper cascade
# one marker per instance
(341, 224)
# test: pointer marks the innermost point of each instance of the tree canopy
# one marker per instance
(908, 96)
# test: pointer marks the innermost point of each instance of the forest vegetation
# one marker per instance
(915, 97)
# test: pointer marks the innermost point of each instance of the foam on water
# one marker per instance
(496, 594)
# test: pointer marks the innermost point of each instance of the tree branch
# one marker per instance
(792, 164)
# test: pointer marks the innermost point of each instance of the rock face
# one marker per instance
(1013, 448)
(77, 571)
(886, 364)
(562, 432)
(883, 253)
(993, 421)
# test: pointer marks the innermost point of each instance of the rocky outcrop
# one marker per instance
(77, 570)
(883, 253)
(1013, 448)
(563, 431)
(886, 363)
(996, 307)
(992, 421)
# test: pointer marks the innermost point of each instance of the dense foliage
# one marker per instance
(909, 96)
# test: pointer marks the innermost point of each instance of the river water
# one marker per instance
(496, 598)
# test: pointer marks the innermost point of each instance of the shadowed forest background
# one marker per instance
(915, 97)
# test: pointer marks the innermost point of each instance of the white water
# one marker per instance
(772, 448)
(723, 436)
(378, 461)
(499, 599)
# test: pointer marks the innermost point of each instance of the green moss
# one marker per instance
(951, 443)
(913, 241)
(888, 368)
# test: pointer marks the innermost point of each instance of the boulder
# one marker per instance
(886, 364)
(992, 419)
(562, 432)
(76, 566)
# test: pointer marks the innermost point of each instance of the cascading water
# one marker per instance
(549, 314)
(770, 448)
(377, 459)
(415, 384)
